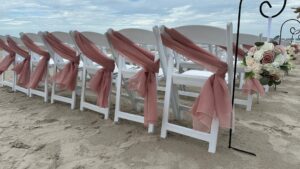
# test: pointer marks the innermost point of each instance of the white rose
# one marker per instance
(258, 55)
(256, 67)
(267, 46)
(249, 60)
(279, 60)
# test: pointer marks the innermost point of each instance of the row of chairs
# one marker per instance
(111, 49)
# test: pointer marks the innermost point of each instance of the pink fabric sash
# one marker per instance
(247, 46)
(22, 69)
(65, 78)
(7, 60)
(41, 67)
(253, 85)
(214, 100)
(241, 53)
(101, 81)
(144, 82)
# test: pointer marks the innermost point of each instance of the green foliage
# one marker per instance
(277, 82)
(258, 44)
(244, 62)
(264, 80)
(249, 75)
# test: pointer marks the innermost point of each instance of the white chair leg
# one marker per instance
(2, 80)
(31, 70)
(266, 88)
(83, 88)
(53, 87)
(150, 128)
(118, 90)
(30, 93)
(214, 136)
(46, 89)
(242, 76)
(233, 119)
(14, 81)
(106, 115)
(249, 102)
(73, 99)
(163, 133)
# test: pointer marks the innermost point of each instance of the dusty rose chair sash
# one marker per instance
(241, 53)
(22, 69)
(214, 99)
(101, 81)
(7, 60)
(253, 85)
(42, 66)
(247, 46)
(65, 78)
(144, 82)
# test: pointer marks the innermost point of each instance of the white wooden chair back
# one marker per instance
(98, 39)
(145, 39)
(20, 43)
(209, 35)
(66, 39)
(59, 63)
(38, 41)
(199, 34)
(19, 59)
(142, 37)
(2, 52)
(35, 58)
(89, 67)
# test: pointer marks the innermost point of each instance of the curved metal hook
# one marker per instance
(290, 28)
(270, 6)
(294, 31)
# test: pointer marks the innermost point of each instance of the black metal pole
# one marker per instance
(280, 35)
(235, 62)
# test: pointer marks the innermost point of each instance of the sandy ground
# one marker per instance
(38, 135)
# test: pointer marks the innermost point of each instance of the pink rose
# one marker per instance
(268, 57)
(297, 48)
(253, 49)
(280, 49)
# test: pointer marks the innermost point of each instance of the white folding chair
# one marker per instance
(33, 63)
(90, 68)
(200, 35)
(145, 39)
(59, 63)
(19, 59)
(3, 80)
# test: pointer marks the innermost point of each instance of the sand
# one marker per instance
(38, 135)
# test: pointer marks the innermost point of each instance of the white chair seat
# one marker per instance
(198, 73)
(201, 74)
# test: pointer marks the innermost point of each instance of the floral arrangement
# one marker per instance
(293, 51)
(264, 61)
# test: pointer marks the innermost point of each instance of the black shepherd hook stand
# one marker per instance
(235, 63)
(294, 32)
(292, 29)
